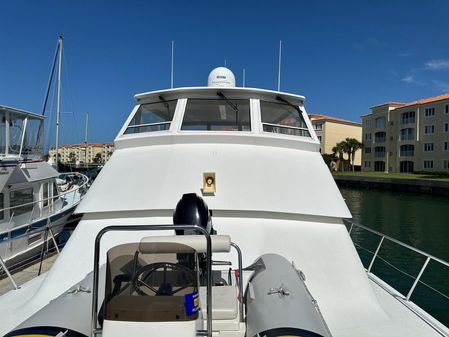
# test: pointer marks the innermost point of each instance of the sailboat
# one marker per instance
(35, 199)
(228, 223)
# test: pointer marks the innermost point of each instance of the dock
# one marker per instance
(26, 273)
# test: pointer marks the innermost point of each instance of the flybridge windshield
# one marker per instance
(152, 117)
(14, 127)
(217, 115)
(283, 118)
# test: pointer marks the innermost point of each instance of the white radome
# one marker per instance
(221, 77)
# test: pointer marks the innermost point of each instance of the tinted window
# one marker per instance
(21, 201)
(282, 118)
(1, 206)
(152, 117)
(217, 115)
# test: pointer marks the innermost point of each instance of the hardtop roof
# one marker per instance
(4, 108)
(192, 91)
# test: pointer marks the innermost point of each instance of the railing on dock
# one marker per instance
(381, 241)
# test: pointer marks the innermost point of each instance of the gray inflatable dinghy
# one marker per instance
(278, 302)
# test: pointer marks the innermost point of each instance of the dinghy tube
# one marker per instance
(278, 302)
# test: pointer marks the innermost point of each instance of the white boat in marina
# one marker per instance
(228, 223)
(33, 206)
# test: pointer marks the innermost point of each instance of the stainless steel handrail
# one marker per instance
(134, 228)
(240, 264)
(84, 178)
(148, 124)
(384, 237)
(286, 126)
(48, 228)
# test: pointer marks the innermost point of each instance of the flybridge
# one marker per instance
(219, 109)
(21, 133)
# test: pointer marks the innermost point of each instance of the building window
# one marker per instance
(367, 164)
(379, 151)
(407, 150)
(429, 129)
(447, 109)
(319, 126)
(407, 134)
(381, 122)
(367, 123)
(446, 146)
(428, 147)
(408, 117)
(428, 164)
(446, 127)
(368, 136)
(379, 166)
(367, 150)
(380, 137)
(429, 112)
(446, 163)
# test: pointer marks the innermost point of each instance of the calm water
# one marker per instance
(420, 220)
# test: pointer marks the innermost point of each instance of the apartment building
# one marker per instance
(407, 137)
(89, 153)
(331, 130)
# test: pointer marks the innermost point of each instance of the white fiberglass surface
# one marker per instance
(248, 178)
(322, 251)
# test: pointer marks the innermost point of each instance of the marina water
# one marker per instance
(420, 220)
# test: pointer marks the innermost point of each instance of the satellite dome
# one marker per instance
(221, 77)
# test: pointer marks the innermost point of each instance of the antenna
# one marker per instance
(172, 59)
(85, 140)
(244, 77)
(279, 65)
(225, 63)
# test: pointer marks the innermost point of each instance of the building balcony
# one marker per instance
(407, 153)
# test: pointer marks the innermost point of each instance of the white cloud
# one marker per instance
(441, 85)
(438, 65)
(408, 79)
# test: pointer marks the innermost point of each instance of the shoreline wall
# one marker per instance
(395, 184)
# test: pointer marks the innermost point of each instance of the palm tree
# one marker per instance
(352, 145)
(339, 149)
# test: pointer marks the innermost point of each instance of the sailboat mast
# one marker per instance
(58, 112)
(85, 140)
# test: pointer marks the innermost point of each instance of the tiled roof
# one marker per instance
(396, 104)
(317, 117)
(429, 99)
(88, 144)
(420, 101)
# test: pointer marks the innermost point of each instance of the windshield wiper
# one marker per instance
(282, 99)
(232, 105)
(164, 101)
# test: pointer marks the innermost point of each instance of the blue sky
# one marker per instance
(344, 56)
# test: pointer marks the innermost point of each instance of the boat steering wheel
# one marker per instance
(139, 280)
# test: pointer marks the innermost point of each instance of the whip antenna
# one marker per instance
(279, 65)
